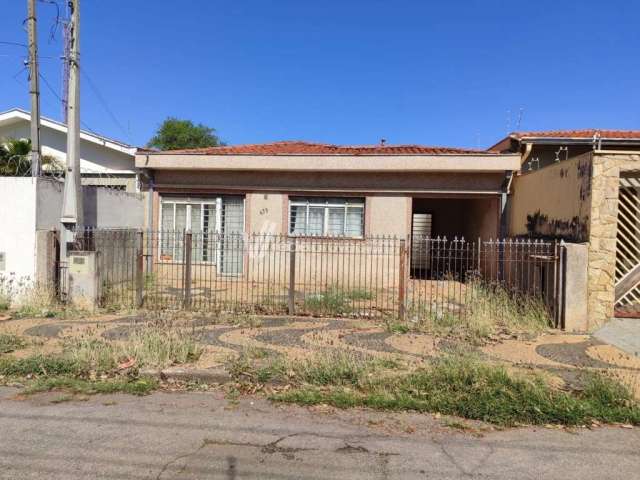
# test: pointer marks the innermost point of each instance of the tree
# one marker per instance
(15, 159)
(175, 134)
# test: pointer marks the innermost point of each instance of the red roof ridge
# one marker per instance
(302, 147)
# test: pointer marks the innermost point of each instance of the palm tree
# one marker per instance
(15, 158)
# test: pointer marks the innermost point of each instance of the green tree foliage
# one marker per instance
(174, 134)
(15, 159)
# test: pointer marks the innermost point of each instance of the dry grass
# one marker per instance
(486, 310)
(147, 346)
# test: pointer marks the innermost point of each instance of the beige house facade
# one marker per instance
(313, 190)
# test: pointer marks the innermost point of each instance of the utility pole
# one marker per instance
(72, 211)
(34, 91)
(66, 40)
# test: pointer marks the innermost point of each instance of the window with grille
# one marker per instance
(205, 218)
(326, 217)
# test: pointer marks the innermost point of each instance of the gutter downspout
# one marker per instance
(528, 148)
(504, 197)
(504, 203)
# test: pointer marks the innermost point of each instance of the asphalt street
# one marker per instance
(205, 436)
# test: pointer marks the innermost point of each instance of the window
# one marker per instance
(204, 217)
(327, 217)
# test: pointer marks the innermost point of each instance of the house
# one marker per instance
(103, 161)
(583, 186)
(310, 189)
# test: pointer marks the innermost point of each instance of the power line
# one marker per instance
(104, 104)
(56, 24)
(14, 44)
(52, 90)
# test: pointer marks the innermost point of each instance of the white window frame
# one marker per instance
(308, 202)
(189, 201)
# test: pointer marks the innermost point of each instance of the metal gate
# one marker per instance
(628, 247)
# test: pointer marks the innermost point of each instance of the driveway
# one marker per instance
(623, 333)
(204, 436)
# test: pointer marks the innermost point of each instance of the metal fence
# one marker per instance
(410, 278)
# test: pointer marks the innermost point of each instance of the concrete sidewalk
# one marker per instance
(623, 333)
(203, 436)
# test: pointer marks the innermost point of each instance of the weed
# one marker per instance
(160, 348)
(36, 365)
(97, 355)
(465, 387)
(149, 346)
(358, 294)
(138, 386)
(332, 368)
(10, 342)
(486, 310)
(397, 327)
(257, 365)
(335, 300)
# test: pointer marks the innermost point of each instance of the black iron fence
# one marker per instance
(411, 278)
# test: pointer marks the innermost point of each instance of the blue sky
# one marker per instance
(347, 72)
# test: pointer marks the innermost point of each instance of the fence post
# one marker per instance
(402, 280)
(139, 268)
(187, 269)
(292, 276)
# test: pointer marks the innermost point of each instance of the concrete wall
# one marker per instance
(49, 204)
(387, 215)
(31, 206)
(18, 225)
(107, 208)
(553, 202)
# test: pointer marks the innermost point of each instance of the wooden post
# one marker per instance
(139, 268)
(292, 276)
(402, 286)
(187, 270)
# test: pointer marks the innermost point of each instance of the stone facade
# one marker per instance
(607, 167)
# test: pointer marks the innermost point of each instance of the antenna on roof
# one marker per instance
(508, 120)
(520, 115)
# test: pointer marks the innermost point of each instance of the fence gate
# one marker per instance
(628, 247)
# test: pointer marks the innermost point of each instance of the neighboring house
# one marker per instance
(583, 186)
(541, 149)
(315, 190)
(103, 161)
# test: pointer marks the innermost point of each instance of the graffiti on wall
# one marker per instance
(576, 229)
(540, 225)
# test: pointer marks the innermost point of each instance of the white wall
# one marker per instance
(18, 225)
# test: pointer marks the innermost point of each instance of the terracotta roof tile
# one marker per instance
(587, 133)
(308, 148)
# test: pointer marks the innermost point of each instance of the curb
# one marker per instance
(209, 375)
